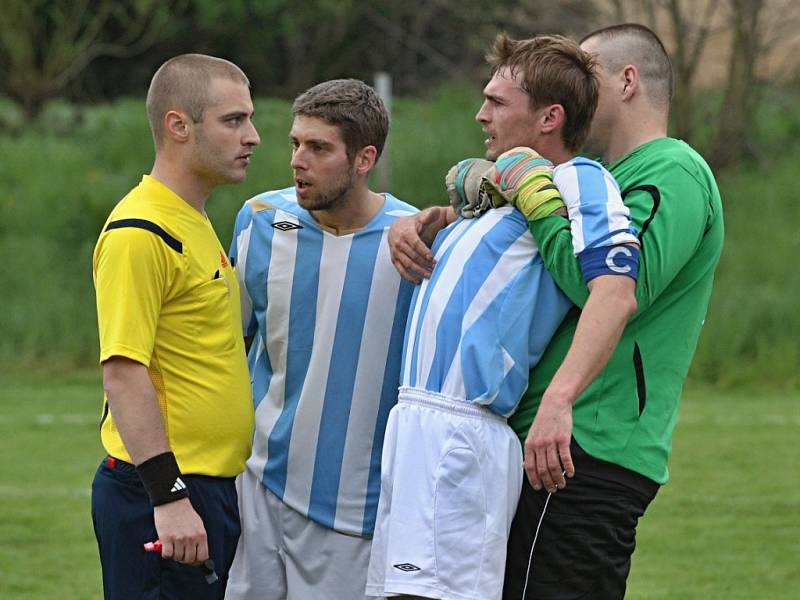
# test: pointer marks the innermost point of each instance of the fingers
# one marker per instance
(407, 268)
(566, 461)
(409, 254)
(191, 550)
(547, 464)
(530, 465)
(181, 531)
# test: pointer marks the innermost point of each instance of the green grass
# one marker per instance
(726, 527)
(50, 445)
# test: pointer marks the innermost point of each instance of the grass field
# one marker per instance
(726, 527)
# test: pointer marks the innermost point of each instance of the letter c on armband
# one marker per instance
(613, 253)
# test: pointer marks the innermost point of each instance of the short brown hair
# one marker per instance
(182, 84)
(634, 44)
(554, 70)
(353, 107)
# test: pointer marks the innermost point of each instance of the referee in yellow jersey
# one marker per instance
(178, 416)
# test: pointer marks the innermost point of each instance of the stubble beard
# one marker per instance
(330, 199)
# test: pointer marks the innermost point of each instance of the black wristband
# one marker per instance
(162, 480)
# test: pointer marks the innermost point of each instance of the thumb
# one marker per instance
(426, 217)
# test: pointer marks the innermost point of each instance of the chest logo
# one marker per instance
(286, 225)
(223, 260)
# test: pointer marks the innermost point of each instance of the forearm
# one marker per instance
(133, 403)
(610, 305)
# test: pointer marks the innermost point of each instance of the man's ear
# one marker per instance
(176, 126)
(552, 117)
(366, 159)
(630, 82)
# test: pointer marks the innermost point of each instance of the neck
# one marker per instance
(634, 129)
(352, 212)
(190, 188)
(552, 148)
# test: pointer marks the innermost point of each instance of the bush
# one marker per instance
(57, 190)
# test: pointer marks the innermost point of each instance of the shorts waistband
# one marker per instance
(457, 406)
(112, 462)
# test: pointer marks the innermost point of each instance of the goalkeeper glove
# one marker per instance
(463, 183)
(522, 178)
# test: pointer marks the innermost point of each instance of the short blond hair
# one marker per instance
(182, 84)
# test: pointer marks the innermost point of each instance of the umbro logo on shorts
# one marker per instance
(286, 225)
(407, 567)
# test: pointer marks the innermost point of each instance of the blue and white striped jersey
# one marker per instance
(327, 314)
(485, 316)
(490, 308)
(597, 214)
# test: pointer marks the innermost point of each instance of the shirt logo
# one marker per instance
(610, 259)
(407, 567)
(223, 260)
(286, 225)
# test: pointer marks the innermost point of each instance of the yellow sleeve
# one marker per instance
(131, 271)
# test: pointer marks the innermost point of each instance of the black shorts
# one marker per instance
(587, 535)
(123, 522)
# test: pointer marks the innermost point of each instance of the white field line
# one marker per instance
(48, 419)
(10, 491)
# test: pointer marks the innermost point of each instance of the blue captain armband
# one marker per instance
(622, 259)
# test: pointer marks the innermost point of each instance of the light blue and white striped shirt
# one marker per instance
(597, 215)
(485, 316)
(327, 314)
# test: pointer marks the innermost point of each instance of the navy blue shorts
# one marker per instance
(123, 522)
(587, 534)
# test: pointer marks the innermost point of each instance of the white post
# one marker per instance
(383, 86)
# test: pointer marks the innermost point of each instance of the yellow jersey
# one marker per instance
(167, 297)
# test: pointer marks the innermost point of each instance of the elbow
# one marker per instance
(617, 291)
(120, 373)
(629, 305)
(625, 298)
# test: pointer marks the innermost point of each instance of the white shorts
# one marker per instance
(450, 483)
(283, 555)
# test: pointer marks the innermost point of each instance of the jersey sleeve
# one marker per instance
(598, 217)
(671, 223)
(673, 220)
(240, 244)
(132, 272)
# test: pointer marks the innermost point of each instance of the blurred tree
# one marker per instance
(757, 26)
(691, 23)
(46, 44)
(733, 137)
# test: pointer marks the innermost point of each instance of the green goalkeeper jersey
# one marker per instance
(627, 415)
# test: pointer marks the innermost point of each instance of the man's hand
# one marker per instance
(547, 455)
(523, 178)
(181, 531)
(612, 301)
(410, 239)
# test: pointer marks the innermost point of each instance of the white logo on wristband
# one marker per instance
(179, 486)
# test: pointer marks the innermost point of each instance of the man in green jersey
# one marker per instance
(616, 432)
(600, 409)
